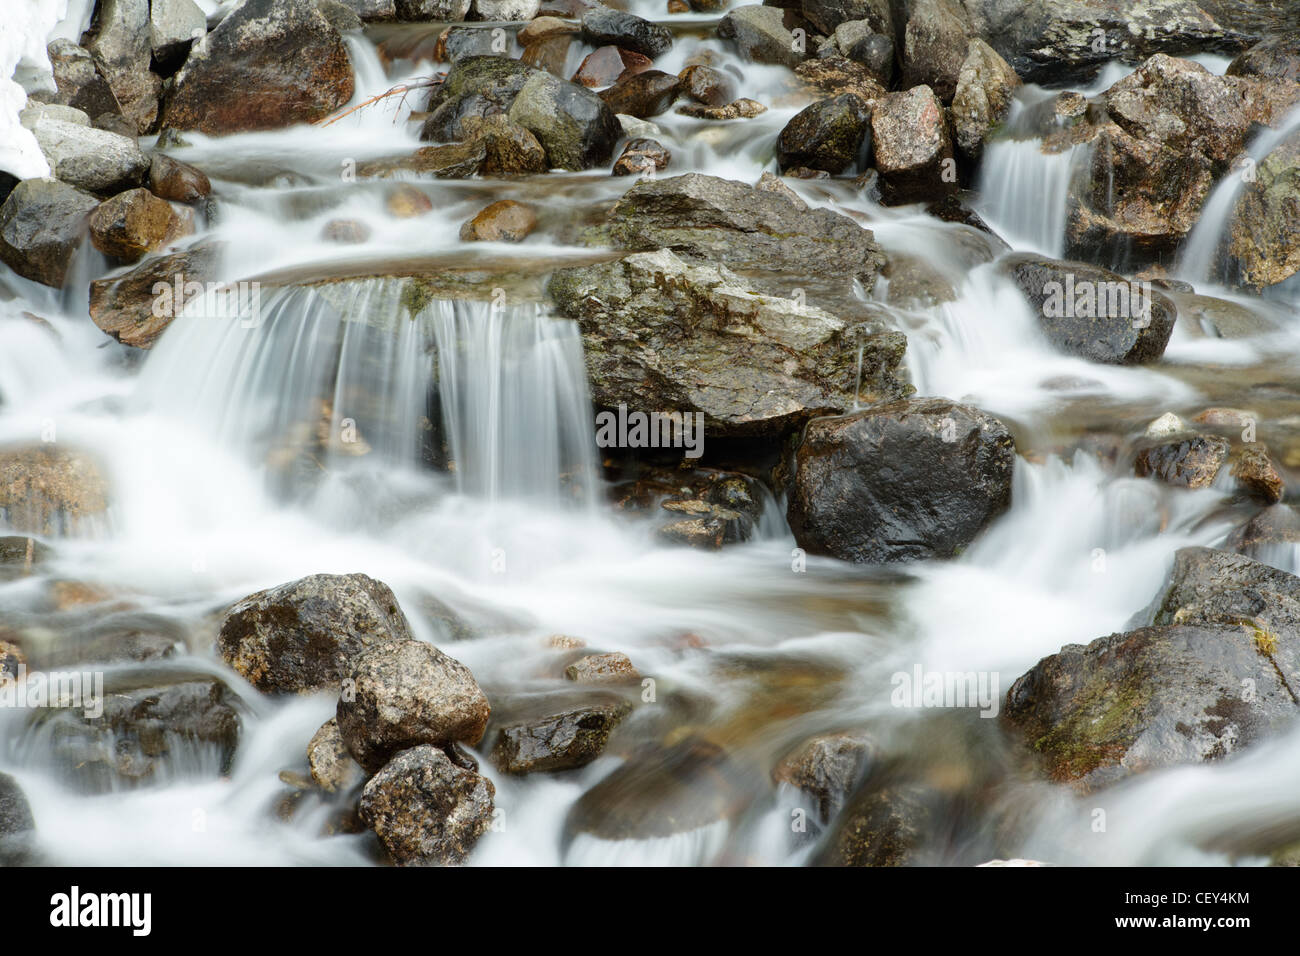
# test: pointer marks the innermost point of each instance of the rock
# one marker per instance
(508, 149)
(307, 635)
(476, 86)
(607, 65)
(935, 45)
(612, 668)
(1166, 426)
(1274, 529)
(509, 11)
(51, 490)
(834, 75)
(1263, 235)
(154, 723)
(425, 810)
(173, 26)
(180, 182)
(771, 236)
(38, 113)
(564, 740)
(502, 221)
(80, 84)
(828, 15)
(119, 40)
(827, 135)
(440, 10)
(455, 43)
(643, 94)
(238, 77)
(1090, 312)
(1211, 587)
(449, 161)
(406, 202)
(543, 28)
(332, 767)
(827, 768)
(913, 150)
(1273, 58)
(759, 33)
(574, 125)
(91, 159)
(856, 41)
(347, 231)
(340, 16)
(882, 827)
(909, 480)
(740, 109)
(1047, 41)
(1192, 462)
(42, 223)
(641, 156)
(986, 86)
(551, 55)
(660, 333)
(1256, 472)
(20, 555)
(1150, 698)
(404, 694)
(602, 25)
(131, 224)
(15, 812)
(128, 308)
(707, 85)
(12, 661)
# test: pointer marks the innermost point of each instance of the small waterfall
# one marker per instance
(347, 375)
(1025, 193)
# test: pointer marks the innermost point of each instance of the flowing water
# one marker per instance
(230, 471)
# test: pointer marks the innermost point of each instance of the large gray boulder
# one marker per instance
(119, 39)
(42, 223)
(576, 127)
(80, 84)
(909, 480)
(91, 159)
(761, 34)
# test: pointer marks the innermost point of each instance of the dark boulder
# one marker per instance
(827, 135)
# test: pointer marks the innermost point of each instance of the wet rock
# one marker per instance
(15, 812)
(1091, 312)
(834, 75)
(119, 40)
(935, 45)
(509, 149)
(707, 85)
(740, 109)
(51, 490)
(406, 202)
(827, 135)
(180, 182)
(239, 77)
(475, 86)
(643, 94)
(827, 768)
(607, 65)
(80, 84)
(882, 827)
(440, 10)
(306, 635)
(128, 307)
(760, 34)
(1191, 462)
(20, 555)
(406, 693)
(502, 221)
(660, 333)
(913, 150)
(508, 11)
(347, 231)
(1273, 58)
(154, 725)
(551, 55)
(856, 41)
(1263, 228)
(602, 25)
(1275, 529)
(986, 86)
(659, 792)
(641, 156)
(425, 810)
(449, 161)
(1153, 697)
(910, 480)
(131, 224)
(611, 668)
(574, 125)
(42, 222)
(772, 234)
(91, 159)
(1212, 587)
(332, 767)
(112, 638)
(173, 26)
(828, 15)
(455, 43)
(564, 740)
(1256, 472)
(543, 28)
(1046, 41)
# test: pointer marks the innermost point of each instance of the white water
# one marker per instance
(205, 509)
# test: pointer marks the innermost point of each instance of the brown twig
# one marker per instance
(402, 88)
